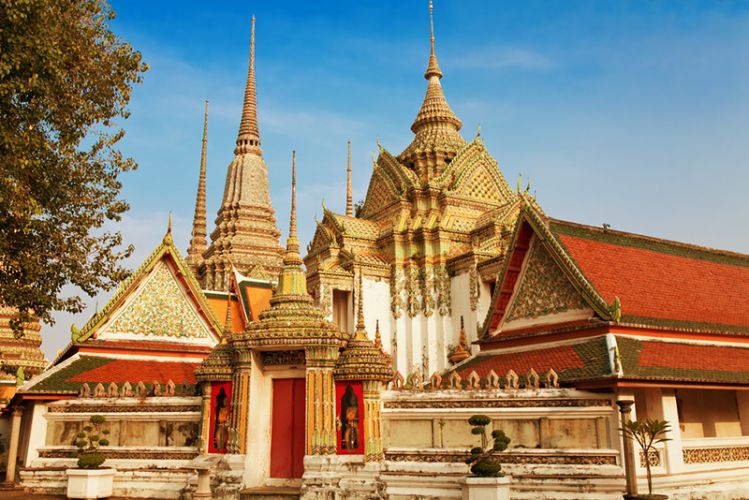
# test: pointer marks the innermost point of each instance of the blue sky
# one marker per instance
(631, 113)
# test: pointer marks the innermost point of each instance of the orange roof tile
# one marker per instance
(659, 279)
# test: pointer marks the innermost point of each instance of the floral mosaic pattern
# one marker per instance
(544, 289)
(160, 308)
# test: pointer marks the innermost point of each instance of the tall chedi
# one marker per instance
(198, 243)
(246, 234)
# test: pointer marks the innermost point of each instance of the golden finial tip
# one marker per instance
(169, 224)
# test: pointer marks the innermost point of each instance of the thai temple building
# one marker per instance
(247, 371)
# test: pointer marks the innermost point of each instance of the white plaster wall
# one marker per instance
(461, 306)
(377, 307)
(257, 459)
(37, 432)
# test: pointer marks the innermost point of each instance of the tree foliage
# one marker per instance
(647, 434)
(64, 77)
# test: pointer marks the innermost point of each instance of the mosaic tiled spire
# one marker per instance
(246, 229)
(292, 319)
(349, 204)
(198, 243)
(437, 138)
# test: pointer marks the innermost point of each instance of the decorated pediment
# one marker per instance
(474, 174)
(161, 301)
(158, 309)
(543, 291)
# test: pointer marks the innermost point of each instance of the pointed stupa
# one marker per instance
(362, 359)
(198, 242)
(246, 229)
(349, 200)
(292, 321)
(437, 138)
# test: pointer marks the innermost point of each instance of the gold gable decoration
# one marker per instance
(543, 289)
(158, 309)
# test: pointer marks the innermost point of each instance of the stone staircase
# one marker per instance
(270, 493)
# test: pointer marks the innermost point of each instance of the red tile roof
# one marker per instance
(583, 360)
(644, 359)
(692, 356)
(131, 370)
(659, 279)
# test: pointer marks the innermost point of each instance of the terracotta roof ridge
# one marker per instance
(556, 223)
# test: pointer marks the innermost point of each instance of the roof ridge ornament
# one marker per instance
(168, 240)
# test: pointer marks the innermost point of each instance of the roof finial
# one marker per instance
(361, 332)
(433, 68)
(248, 140)
(292, 243)
(198, 243)
(349, 204)
(168, 236)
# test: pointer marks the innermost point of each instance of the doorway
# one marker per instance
(288, 428)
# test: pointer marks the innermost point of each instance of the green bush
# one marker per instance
(482, 461)
(88, 442)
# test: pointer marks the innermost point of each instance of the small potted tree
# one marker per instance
(647, 434)
(487, 481)
(90, 479)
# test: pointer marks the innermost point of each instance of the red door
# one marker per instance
(288, 426)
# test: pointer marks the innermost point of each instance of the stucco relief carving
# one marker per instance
(544, 289)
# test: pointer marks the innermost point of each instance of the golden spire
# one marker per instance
(292, 280)
(292, 243)
(361, 331)
(378, 337)
(349, 205)
(248, 140)
(198, 243)
(433, 69)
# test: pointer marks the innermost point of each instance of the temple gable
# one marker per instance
(159, 307)
(543, 291)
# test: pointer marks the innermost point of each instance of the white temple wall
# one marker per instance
(377, 307)
(257, 460)
(461, 306)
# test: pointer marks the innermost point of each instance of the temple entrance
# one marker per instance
(288, 427)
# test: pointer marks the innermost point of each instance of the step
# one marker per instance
(270, 493)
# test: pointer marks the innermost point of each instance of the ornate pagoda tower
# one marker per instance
(429, 239)
(246, 234)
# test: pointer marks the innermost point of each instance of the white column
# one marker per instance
(15, 434)
(673, 449)
(742, 402)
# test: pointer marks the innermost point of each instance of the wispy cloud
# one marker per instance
(497, 57)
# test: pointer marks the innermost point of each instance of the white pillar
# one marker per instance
(742, 402)
(673, 449)
(15, 434)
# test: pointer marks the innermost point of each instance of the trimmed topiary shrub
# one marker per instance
(482, 460)
(88, 442)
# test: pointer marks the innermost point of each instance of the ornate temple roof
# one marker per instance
(631, 279)
(160, 301)
(219, 363)
(436, 127)
(68, 376)
(660, 282)
(291, 321)
(22, 352)
(362, 359)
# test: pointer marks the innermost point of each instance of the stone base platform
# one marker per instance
(270, 493)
